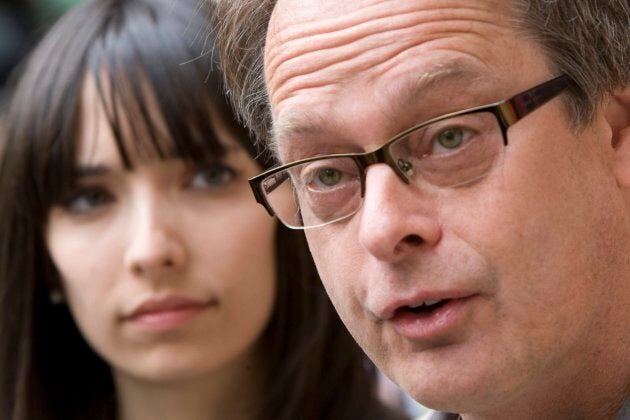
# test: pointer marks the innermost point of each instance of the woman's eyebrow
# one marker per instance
(85, 171)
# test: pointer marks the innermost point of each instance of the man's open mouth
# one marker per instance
(426, 307)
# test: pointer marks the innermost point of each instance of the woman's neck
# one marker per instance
(232, 392)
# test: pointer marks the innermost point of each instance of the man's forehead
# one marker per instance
(410, 93)
(290, 18)
(302, 10)
(296, 12)
(315, 54)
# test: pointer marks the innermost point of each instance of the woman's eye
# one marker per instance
(87, 199)
(451, 138)
(214, 176)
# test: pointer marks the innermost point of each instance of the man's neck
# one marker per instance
(588, 394)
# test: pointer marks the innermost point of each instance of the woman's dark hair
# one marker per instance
(153, 65)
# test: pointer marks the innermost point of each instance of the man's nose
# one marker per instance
(156, 246)
(396, 218)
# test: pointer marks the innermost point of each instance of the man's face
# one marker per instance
(529, 264)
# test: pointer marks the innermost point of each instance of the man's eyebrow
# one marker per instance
(309, 124)
(411, 89)
(405, 94)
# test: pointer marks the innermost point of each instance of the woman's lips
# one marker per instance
(429, 324)
(167, 313)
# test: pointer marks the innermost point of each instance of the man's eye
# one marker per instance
(327, 174)
(213, 176)
(87, 199)
(329, 177)
(451, 138)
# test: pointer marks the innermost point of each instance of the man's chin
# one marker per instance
(434, 395)
(449, 386)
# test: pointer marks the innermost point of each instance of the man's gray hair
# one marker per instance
(589, 40)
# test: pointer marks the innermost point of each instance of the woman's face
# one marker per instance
(168, 269)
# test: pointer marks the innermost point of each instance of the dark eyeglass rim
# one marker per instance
(507, 112)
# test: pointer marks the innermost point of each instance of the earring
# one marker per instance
(56, 297)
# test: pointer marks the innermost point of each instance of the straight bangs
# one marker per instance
(157, 87)
(154, 77)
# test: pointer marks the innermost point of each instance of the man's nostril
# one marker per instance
(413, 240)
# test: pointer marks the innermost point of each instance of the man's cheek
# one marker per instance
(338, 264)
(337, 285)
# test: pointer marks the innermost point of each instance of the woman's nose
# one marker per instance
(156, 246)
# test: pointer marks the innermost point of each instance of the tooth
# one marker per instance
(425, 303)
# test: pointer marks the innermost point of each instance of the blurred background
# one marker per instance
(22, 22)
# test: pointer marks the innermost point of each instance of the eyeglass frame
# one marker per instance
(507, 112)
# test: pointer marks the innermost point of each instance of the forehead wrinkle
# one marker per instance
(325, 33)
(363, 39)
(363, 20)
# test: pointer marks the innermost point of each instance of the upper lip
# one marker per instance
(388, 311)
(166, 303)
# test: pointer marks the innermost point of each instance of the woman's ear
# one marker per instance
(618, 116)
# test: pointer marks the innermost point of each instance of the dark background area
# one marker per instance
(22, 23)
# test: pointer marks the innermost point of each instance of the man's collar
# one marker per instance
(624, 413)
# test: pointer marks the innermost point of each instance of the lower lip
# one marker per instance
(432, 325)
(168, 319)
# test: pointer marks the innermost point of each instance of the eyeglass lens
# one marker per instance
(448, 153)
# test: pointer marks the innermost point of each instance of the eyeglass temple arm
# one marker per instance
(525, 102)
(271, 183)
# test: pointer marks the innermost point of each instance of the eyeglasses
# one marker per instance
(449, 151)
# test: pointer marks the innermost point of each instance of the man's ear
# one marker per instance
(618, 116)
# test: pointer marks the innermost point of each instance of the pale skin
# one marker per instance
(168, 229)
(540, 246)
